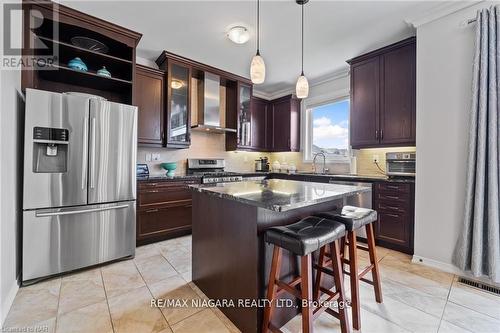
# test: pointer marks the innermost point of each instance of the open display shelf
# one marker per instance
(54, 28)
(60, 73)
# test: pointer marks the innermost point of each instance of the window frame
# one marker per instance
(308, 131)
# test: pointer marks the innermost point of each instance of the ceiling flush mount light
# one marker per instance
(257, 66)
(302, 86)
(238, 34)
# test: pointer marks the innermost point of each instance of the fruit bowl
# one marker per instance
(170, 167)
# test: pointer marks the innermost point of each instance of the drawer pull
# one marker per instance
(389, 207)
(152, 210)
(392, 215)
(391, 197)
(152, 191)
(393, 187)
(151, 184)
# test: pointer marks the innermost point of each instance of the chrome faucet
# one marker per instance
(321, 153)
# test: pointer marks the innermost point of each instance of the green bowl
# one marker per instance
(170, 167)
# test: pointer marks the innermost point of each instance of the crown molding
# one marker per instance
(443, 9)
(313, 83)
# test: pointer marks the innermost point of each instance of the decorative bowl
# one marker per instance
(104, 72)
(170, 167)
(89, 44)
(77, 64)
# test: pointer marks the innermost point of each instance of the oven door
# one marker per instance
(400, 167)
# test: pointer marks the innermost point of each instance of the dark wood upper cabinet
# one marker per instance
(383, 90)
(272, 126)
(259, 121)
(285, 128)
(245, 124)
(149, 90)
(178, 120)
(365, 78)
(397, 119)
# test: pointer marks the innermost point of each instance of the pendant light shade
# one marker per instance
(302, 86)
(257, 69)
(257, 66)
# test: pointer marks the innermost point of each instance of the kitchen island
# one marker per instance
(231, 261)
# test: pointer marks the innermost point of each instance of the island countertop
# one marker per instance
(279, 194)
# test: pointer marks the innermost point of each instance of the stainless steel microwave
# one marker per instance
(400, 164)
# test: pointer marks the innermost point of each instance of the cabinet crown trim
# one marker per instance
(382, 50)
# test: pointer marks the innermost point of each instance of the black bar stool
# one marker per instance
(355, 218)
(302, 238)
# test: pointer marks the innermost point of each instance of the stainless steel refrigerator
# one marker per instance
(79, 182)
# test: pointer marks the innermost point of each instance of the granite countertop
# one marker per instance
(164, 177)
(279, 194)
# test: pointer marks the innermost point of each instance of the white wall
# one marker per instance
(444, 81)
(10, 84)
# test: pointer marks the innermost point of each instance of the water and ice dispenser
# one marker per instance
(50, 150)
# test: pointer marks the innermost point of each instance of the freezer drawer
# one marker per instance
(61, 240)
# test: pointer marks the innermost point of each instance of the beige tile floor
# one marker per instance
(116, 298)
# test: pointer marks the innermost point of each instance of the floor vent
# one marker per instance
(479, 285)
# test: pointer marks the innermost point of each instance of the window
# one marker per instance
(327, 131)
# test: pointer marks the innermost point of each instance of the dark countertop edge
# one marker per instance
(366, 178)
(256, 174)
(200, 188)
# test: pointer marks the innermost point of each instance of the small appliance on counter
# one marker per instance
(142, 171)
(262, 164)
(400, 164)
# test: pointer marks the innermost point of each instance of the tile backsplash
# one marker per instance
(203, 145)
(211, 145)
(365, 159)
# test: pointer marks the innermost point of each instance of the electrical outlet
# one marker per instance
(148, 157)
(375, 159)
(155, 157)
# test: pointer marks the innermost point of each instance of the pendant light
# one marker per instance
(302, 86)
(258, 67)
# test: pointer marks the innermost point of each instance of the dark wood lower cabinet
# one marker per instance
(164, 210)
(395, 204)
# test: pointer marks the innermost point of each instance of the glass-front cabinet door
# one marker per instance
(244, 115)
(178, 119)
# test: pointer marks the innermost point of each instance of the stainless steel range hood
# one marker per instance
(208, 117)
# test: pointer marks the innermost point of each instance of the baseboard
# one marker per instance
(7, 303)
(449, 268)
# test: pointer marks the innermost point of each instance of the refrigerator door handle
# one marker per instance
(92, 154)
(81, 211)
(85, 152)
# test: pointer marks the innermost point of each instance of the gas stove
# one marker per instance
(212, 171)
(221, 177)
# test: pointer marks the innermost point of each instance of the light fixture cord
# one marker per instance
(258, 26)
(302, 6)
